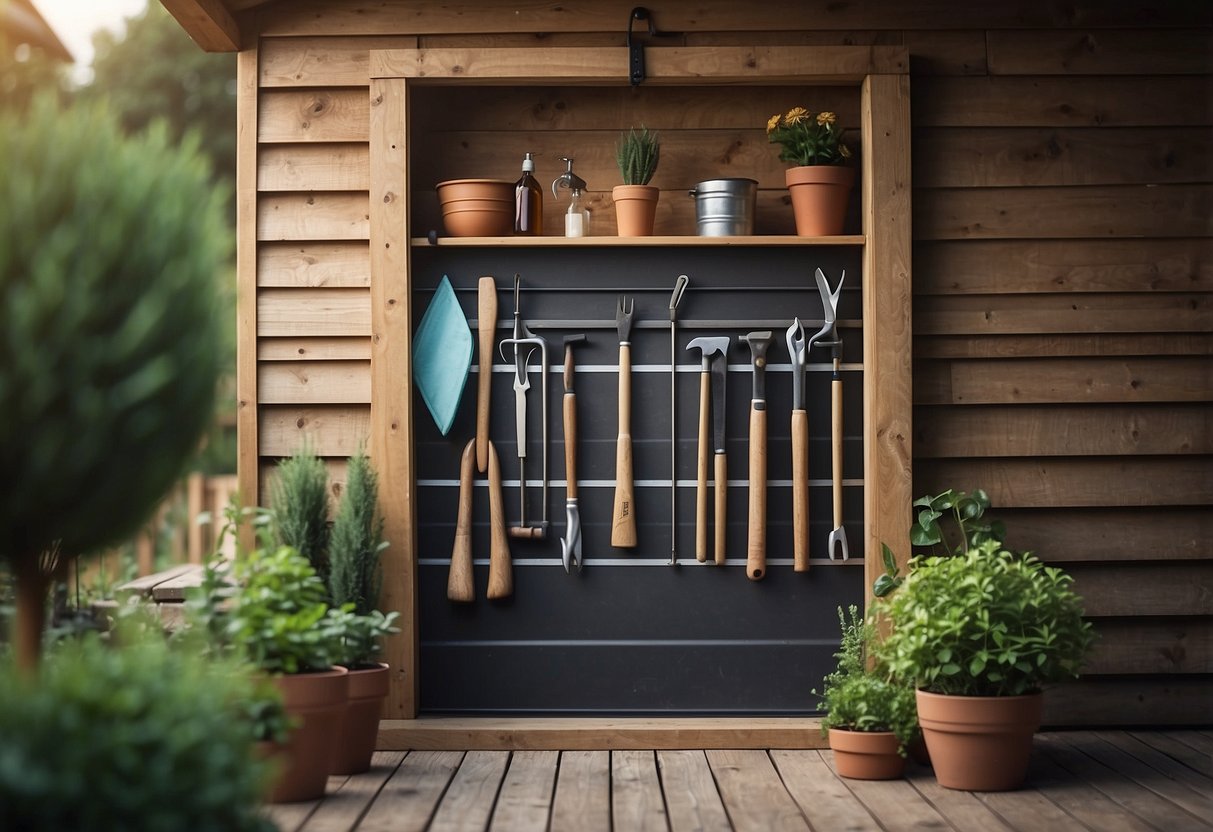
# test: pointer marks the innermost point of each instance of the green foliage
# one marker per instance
(300, 502)
(808, 139)
(108, 253)
(136, 738)
(26, 72)
(278, 615)
(360, 635)
(637, 155)
(986, 623)
(858, 698)
(155, 73)
(357, 539)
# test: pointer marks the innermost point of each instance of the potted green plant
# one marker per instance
(870, 719)
(299, 503)
(278, 618)
(637, 154)
(820, 181)
(354, 583)
(979, 635)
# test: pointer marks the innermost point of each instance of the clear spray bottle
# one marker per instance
(577, 218)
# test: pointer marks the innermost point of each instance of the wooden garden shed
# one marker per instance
(1046, 168)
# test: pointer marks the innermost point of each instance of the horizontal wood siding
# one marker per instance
(1063, 223)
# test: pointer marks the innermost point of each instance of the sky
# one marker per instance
(74, 21)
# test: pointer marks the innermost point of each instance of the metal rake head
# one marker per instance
(623, 317)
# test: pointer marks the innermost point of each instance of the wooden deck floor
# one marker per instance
(1100, 781)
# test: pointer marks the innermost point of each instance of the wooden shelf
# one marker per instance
(593, 242)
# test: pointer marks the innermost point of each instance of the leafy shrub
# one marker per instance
(300, 502)
(360, 636)
(987, 623)
(135, 738)
(357, 539)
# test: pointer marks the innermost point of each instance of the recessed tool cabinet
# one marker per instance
(630, 633)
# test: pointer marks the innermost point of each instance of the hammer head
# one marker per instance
(759, 342)
(710, 346)
(573, 340)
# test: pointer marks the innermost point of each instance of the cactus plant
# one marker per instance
(637, 155)
(110, 250)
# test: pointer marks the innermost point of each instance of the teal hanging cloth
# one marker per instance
(442, 355)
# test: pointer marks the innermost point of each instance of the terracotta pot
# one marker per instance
(477, 207)
(866, 755)
(979, 743)
(819, 198)
(316, 702)
(360, 722)
(635, 209)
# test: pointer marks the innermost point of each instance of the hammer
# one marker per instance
(711, 400)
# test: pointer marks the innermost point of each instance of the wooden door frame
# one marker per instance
(881, 73)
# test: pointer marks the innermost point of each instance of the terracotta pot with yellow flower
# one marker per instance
(820, 184)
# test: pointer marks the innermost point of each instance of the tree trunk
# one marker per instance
(32, 585)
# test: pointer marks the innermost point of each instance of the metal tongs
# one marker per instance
(525, 343)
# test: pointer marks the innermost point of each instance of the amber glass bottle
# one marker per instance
(528, 201)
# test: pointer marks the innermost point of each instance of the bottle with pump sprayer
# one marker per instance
(577, 218)
(528, 201)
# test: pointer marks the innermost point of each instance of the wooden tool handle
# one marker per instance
(459, 586)
(800, 490)
(623, 516)
(570, 444)
(836, 436)
(722, 499)
(487, 318)
(501, 576)
(701, 485)
(756, 546)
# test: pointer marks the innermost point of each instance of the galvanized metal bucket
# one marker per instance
(725, 207)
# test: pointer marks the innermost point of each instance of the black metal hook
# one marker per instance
(636, 50)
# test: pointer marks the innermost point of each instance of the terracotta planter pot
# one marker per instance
(360, 722)
(316, 701)
(635, 209)
(477, 207)
(819, 198)
(979, 743)
(867, 755)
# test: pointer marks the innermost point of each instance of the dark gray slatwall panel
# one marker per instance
(629, 634)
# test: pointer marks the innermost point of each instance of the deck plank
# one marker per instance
(821, 795)
(1196, 740)
(753, 794)
(408, 799)
(583, 792)
(1194, 802)
(525, 800)
(1177, 750)
(895, 804)
(636, 800)
(1136, 798)
(964, 810)
(1081, 800)
(288, 817)
(1027, 808)
(345, 805)
(691, 799)
(468, 802)
(1159, 761)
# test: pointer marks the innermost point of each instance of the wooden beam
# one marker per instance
(589, 733)
(208, 22)
(247, 457)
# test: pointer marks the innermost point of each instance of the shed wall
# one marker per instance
(1063, 196)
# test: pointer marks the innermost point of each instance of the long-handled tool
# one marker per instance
(756, 544)
(828, 337)
(715, 352)
(570, 544)
(525, 343)
(800, 449)
(679, 287)
(459, 585)
(487, 325)
(623, 515)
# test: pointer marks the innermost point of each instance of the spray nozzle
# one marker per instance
(568, 179)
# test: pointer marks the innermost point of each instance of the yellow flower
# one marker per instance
(824, 118)
(844, 151)
(796, 115)
(773, 122)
